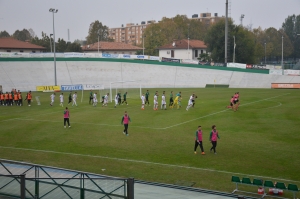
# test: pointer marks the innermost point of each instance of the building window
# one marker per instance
(172, 53)
(196, 53)
(201, 51)
(8, 51)
(21, 51)
(33, 51)
(130, 53)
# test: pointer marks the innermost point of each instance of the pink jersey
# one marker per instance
(231, 100)
(126, 119)
(66, 114)
(198, 135)
(214, 135)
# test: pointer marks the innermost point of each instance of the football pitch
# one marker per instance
(260, 140)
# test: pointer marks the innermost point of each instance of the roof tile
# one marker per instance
(185, 44)
(103, 45)
(11, 43)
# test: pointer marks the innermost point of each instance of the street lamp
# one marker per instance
(265, 52)
(143, 47)
(189, 41)
(54, 11)
(98, 40)
(51, 42)
(233, 49)
(282, 53)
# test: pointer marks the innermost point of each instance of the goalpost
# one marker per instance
(133, 88)
(93, 87)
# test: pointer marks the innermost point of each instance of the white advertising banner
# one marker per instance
(189, 61)
(292, 72)
(154, 58)
(138, 56)
(93, 87)
(275, 72)
(236, 65)
(74, 54)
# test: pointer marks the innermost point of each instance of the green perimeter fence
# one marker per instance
(30, 181)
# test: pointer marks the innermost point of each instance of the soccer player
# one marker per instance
(171, 99)
(155, 101)
(147, 97)
(194, 99)
(67, 117)
(163, 105)
(143, 101)
(52, 99)
(176, 101)
(124, 98)
(105, 100)
(95, 100)
(102, 99)
(74, 99)
(10, 99)
(70, 97)
(116, 100)
(198, 141)
(61, 99)
(6, 99)
(231, 103)
(20, 98)
(16, 99)
(2, 97)
(190, 103)
(29, 97)
(91, 97)
(125, 120)
(179, 102)
(213, 137)
(119, 98)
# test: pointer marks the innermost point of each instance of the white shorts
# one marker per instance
(163, 102)
(95, 100)
(155, 102)
(143, 101)
(52, 101)
(190, 103)
(105, 101)
(116, 101)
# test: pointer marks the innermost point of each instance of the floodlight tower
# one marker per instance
(241, 19)
(53, 10)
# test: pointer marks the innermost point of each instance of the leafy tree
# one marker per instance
(22, 35)
(31, 32)
(73, 47)
(291, 27)
(44, 41)
(97, 28)
(4, 34)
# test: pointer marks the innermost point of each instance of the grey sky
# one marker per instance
(77, 15)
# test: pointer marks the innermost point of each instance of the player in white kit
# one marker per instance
(116, 100)
(105, 100)
(95, 100)
(163, 102)
(190, 103)
(143, 101)
(52, 99)
(155, 106)
(74, 99)
(61, 99)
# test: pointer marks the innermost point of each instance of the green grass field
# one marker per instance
(260, 140)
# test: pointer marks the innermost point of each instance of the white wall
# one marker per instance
(27, 75)
(181, 53)
(19, 50)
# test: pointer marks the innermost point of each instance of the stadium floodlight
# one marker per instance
(54, 11)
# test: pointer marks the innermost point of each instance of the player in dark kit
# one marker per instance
(147, 97)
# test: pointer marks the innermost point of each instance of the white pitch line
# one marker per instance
(145, 162)
(221, 111)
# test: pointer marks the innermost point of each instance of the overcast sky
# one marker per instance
(77, 15)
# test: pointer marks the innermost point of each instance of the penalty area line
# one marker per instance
(145, 162)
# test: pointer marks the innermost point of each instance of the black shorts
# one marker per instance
(231, 104)
(234, 102)
(171, 99)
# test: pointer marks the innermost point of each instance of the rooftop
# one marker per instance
(110, 46)
(185, 44)
(11, 43)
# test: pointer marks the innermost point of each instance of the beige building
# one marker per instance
(207, 18)
(130, 34)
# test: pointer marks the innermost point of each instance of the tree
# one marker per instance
(31, 32)
(73, 47)
(22, 35)
(4, 34)
(97, 29)
(291, 27)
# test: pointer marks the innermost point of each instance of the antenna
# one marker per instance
(241, 19)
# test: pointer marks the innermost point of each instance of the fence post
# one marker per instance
(130, 188)
(82, 195)
(22, 176)
(37, 188)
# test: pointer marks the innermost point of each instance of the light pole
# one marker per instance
(265, 52)
(54, 11)
(233, 49)
(98, 40)
(51, 42)
(189, 41)
(143, 47)
(282, 53)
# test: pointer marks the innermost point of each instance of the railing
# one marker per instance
(22, 180)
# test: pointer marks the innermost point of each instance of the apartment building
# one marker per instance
(130, 34)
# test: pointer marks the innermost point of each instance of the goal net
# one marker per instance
(133, 89)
